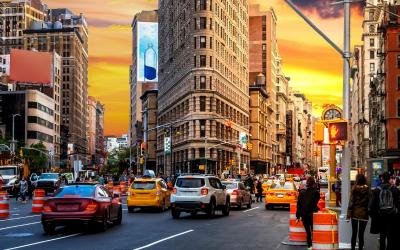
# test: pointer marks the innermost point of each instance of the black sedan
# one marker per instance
(88, 204)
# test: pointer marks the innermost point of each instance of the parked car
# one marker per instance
(240, 195)
(199, 193)
(48, 182)
(281, 194)
(147, 193)
(81, 203)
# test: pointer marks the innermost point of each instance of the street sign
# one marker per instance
(167, 145)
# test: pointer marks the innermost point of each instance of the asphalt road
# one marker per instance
(255, 228)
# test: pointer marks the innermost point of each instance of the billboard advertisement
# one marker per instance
(147, 52)
(31, 67)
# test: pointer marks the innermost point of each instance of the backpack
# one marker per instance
(386, 202)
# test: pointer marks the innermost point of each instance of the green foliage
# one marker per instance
(36, 160)
(118, 161)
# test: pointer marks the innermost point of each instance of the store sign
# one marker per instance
(167, 145)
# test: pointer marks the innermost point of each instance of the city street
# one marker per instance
(254, 228)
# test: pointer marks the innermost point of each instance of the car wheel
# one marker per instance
(267, 207)
(131, 209)
(48, 228)
(227, 208)
(175, 214)
(104, 223)
(211, 209)
(119, 219)
(249, 204)
(194, 213)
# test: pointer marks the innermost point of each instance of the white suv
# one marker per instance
(194, 193)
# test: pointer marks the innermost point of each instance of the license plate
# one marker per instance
(68, 208)
(280, 195)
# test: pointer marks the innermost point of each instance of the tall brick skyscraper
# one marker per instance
(203, 84)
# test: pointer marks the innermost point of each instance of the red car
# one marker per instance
(85, 203)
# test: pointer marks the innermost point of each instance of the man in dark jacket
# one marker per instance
(307, 204)
(384, 216)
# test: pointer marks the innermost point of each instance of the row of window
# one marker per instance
(36, 135)
(40, 121)
(41, 107)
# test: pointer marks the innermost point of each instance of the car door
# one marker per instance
(166, 193)
(220, 192)
(107, 198)
(243, 192)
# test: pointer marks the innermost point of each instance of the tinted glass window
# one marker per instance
(288, 186)
(190, 183)
(79, 191)
(48, 176)
(144, 185)
(230, 185)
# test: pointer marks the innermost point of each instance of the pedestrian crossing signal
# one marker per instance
(338, 131)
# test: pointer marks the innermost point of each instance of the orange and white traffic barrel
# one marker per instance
(122, 185)
(39, 197)
(325, 230)
(117, 191)
(4, 205)
(321, 202)
(297, 233)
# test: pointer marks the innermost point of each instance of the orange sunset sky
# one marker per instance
(313, 66)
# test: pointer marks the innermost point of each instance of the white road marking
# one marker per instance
(41, 242)
(22, 225)
(18, 218)
(248, 210)
(159, 241)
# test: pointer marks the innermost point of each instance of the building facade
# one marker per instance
(91, 125)
(68, 36)
(138, 86)
(203, 85)
(149, 110)
(100, 152)
(16, 16)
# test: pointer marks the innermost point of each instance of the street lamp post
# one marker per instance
(13, 137)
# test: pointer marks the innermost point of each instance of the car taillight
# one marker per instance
(46, 208)
(235, 192)
(291, 194)
(270, 193)
(92, 206)
(174, 191)
(204, 191)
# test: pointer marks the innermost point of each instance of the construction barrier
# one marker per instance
(4, 205)
(297, 233)
(117, 191)
(122, 185)
(321, 202)
(39, 197)
(325, 230)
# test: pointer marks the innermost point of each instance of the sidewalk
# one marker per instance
(371, 240)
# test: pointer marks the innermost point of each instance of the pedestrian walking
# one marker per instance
(307, 204)
(383, 210)
(15, 189)
(23, 187)
(357, 211)
(259, 189)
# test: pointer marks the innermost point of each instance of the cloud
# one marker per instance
(324, 8)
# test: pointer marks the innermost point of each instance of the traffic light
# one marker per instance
(249, 146)
(338, 131)
(319, 132)
(21, 153)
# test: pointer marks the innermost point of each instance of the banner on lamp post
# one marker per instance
(167, 145)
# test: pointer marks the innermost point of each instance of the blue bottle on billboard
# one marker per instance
(150, 63)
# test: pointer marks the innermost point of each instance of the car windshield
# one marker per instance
(144, 185)
(230, 185)
(48, 176)
(190, 182)
(286, 186)
(8, 171)
(269, 182)
(75, 191)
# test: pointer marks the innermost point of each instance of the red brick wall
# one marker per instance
(392, 91)
(255, 49)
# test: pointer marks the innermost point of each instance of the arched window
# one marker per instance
(371, 28)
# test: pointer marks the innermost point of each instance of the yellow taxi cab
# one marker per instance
(280, 194)
(266, 185)
(148, 193)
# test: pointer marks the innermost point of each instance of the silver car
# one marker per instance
(240, 195)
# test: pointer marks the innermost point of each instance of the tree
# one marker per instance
(36, 158)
